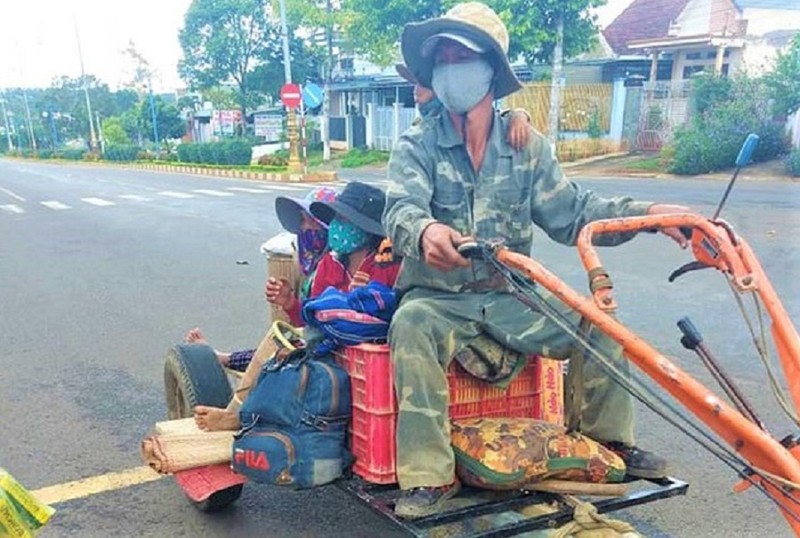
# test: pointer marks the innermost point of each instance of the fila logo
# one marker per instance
(252, 459)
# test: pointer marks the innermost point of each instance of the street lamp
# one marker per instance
(5, 122)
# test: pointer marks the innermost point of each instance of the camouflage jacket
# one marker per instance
(432, 179)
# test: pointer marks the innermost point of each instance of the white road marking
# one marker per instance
(135, 197)
(174, 194)
(247, 189)
(285, 188)
(11, 194)
(52, 204)
(11, 208)
(211, 192)
(98, 202)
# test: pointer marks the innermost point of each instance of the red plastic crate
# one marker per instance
(375, 409)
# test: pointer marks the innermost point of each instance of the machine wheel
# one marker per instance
(193, 376)
(220, 499)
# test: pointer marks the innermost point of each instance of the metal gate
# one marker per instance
(358, 134)
(664, 107)
(383, 125)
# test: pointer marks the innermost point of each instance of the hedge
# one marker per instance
(232, 152)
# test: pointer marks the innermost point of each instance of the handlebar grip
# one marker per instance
(691, 336)
(469, 249)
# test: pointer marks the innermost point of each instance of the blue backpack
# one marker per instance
(294, 423)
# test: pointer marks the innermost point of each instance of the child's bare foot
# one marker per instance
(195, 336)
(214, 419)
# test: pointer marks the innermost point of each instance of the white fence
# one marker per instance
(385, 124)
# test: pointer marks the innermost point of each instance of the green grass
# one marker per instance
(645, 164)
(359, 157)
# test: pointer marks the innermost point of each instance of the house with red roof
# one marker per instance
(720, 36)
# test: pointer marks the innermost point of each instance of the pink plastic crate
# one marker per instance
(372, 430)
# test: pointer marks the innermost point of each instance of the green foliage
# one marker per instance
(373, 27)
(655, 118)
(360, 157)
(708, 90)
(784, 82)
(273, 160)
(712, 141)
(44, 154)
(233, 41)
(228, 152)
(114, 131)
(121, 152)
(593, 129)
(793, 163)
(71, 154)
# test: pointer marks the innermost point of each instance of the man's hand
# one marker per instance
(439, 243)
(674, 233)
(279, 292)
(519, 129)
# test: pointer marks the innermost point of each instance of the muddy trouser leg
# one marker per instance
(607, 411)
(430, 327)
(426, 331)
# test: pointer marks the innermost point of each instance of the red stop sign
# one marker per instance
(290, 95)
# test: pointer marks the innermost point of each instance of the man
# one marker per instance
(456, 177)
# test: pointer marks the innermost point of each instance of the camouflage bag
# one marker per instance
(509, 453)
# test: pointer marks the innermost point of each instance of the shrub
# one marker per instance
(230, 152)
(273, 160)
(793, 163)
(121, 152)
(712, 141)
(361, 157)
(44, 154)
(73, 154)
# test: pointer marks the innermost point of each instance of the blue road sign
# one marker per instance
(312, 95)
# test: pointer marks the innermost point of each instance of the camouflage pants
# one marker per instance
(430, 326)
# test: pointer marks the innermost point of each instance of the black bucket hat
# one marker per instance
(359, 203)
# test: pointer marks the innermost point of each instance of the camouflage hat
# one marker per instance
(474, 25)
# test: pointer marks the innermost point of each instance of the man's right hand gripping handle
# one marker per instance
(439, 244)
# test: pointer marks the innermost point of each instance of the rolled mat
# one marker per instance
(172, 452)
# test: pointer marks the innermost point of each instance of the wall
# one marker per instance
(694, 19)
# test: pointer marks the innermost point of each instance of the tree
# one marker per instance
(373, 27)
(113, 131)
(225, 41)
(784, 81)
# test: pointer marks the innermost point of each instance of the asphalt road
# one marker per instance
(103, 269)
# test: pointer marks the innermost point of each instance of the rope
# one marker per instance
(763, 353)
(586, 518)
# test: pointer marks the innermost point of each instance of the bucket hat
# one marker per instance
(474, 25)
(359, 203)
(290, 210)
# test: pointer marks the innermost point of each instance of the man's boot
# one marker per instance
(639, 463)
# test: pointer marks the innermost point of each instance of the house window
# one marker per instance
(693, 56)
(690, 70)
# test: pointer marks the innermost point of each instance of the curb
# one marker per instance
(275, 177)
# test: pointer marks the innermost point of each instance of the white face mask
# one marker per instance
(461, 86)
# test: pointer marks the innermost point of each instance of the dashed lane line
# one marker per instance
(174, 194)
(135, 197)
(11, 208)
(286, 188)
(98, 202)
(248, 189)
(16, 197)
(93, 485)
(53, 204)
(211, 192)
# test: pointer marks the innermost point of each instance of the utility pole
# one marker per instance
(100, 133)
(28, 118)
(5, 121)
(326, 101)
(153, 113)
(294, 164)
(555, 84)
(93, 138)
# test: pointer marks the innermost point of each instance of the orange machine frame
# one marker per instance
(714, 244)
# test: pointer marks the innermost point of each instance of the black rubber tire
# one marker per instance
(193, 376)
(220, 499)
